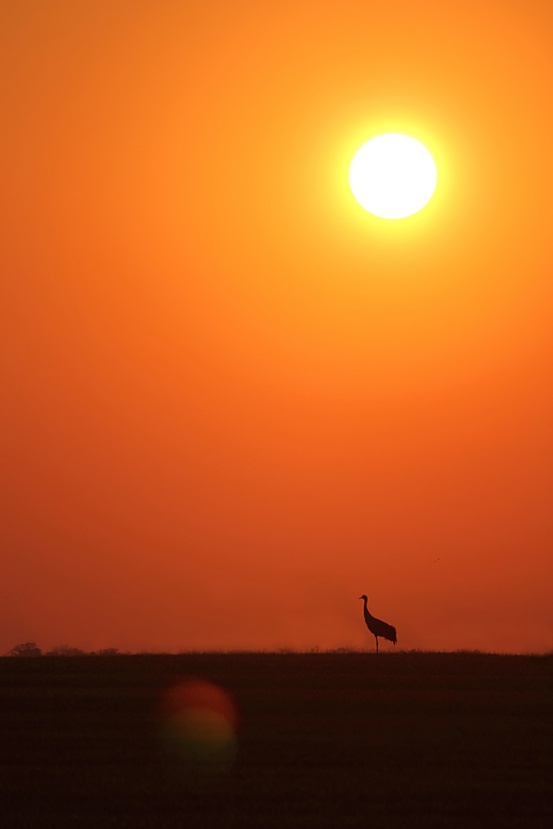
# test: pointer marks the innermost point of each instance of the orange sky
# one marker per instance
(235, 401)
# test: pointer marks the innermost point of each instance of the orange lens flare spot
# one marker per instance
(199, 725)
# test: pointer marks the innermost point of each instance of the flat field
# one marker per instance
(405, 739)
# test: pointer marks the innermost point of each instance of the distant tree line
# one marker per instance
(31, 649)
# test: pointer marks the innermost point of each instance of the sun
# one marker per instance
(393, 176)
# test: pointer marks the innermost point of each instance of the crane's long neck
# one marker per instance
(366, 613)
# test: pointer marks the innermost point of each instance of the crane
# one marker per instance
(377, 627)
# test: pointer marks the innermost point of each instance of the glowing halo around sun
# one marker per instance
(393, 176)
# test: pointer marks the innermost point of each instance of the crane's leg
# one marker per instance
(376, 637)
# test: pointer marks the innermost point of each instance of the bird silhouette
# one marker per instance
(377, 627)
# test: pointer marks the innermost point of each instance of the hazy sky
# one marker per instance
(233, 400)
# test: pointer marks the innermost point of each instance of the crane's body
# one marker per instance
(377, 627)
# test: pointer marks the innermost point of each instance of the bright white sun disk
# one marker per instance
(393, 176)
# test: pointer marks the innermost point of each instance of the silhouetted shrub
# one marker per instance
(25, 649)
(65, 650)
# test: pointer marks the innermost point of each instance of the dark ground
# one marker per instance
(325, 740)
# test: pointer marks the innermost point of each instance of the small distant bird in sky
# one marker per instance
(377, 627)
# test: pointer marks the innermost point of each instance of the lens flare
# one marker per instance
(199, 725)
